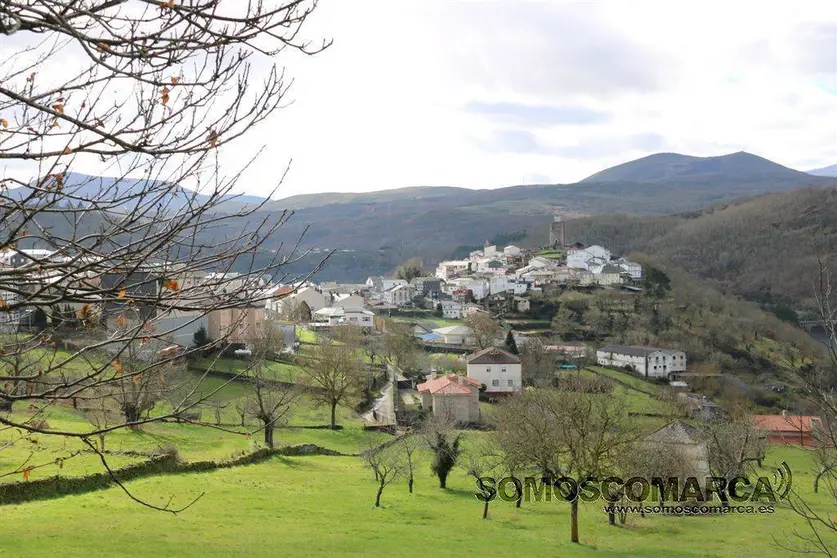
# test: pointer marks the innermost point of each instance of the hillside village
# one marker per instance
(492, 289)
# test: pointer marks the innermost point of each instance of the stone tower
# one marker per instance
(557, 233)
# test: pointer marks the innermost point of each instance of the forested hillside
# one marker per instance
(763, 249)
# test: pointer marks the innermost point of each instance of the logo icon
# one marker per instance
(782, 480)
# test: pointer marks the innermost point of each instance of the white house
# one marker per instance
(489, 250)
(349, 300)
(633, 269)
(336, 315)
(399, 295)
(446, 270)
(500, 372)
(451, 309)
(452, 397)
(652, 362)
(479, 287)
(490, 265)
(309, 295)
(381, 284)
(540, 262)
(511, 250)
(583, 258)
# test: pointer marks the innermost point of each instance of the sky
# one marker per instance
(492, 94)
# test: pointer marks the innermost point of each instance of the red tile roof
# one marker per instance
(786, 423)
(448, 385)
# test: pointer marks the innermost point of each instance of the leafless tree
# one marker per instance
(400, 345)
(335, 375)
(411, 445)
(486, 329)
(386, 463)
(538, 363)
(149, 93)
(646, 459)
(272, 398)
(818, 380)
(734, 444)
(565, 433)
(102, 412)
(482, 461)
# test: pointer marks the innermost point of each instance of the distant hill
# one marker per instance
(375, 231)
(303, 201)
(830, 170)
(85, 187)
(673, 166)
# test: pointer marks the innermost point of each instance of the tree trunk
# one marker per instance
(485, 509)
(268, 434)
(378, 496)
(611, 515)
(334, 416)
(574, 520)
(519, 499)
(132, 414)
(101, 442)
(443, 479)
(410, 484)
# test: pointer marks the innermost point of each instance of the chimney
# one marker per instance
(430, 377)
(784, 413)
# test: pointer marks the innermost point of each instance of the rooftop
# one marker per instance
(631, 350)
(452, 384)
(493, 355)
(786, 423)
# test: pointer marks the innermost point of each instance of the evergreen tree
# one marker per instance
(511, 344)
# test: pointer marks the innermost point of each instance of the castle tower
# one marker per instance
(557, 233)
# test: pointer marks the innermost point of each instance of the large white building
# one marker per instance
(652, 362)
(399, 295)
(500, 372)
(336, 315)
(583, 258)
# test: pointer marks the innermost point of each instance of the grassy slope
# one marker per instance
(323, 505)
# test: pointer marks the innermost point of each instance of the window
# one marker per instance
(511, 383)
(488, 369)
(503, 369)
(495, 383)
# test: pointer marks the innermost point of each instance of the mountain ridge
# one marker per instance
(668, 166)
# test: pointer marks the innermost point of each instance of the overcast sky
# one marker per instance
(490, 94)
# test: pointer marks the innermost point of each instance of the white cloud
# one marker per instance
(390, 104)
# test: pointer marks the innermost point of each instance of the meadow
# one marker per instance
(315, 505)
(299, 506)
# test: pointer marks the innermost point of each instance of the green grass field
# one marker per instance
(273, 370)
(324, 506)
(301, 506)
